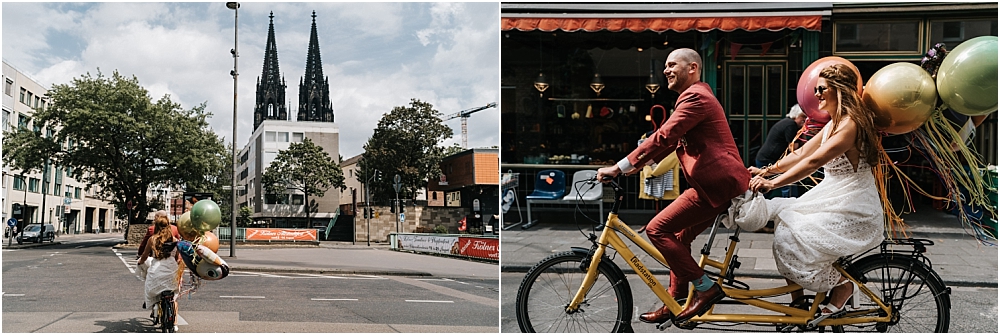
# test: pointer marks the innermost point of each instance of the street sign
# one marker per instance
(396, 184)
(12, 222)
(67, 201)
(402, 217)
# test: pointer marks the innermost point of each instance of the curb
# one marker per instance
(756, 274)
(29, 246)
(330, 271)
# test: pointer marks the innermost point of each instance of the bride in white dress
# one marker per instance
(843, 214)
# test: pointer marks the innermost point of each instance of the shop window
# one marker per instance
(8, 88)
(867, 37)
(297, 137)
(955, 32)
(268, 136)
(298, 199)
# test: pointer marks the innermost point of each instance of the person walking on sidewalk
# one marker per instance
(698, 131)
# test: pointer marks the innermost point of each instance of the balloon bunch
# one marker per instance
(198, 250)
(904, 98)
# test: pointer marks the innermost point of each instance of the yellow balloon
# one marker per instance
(186, 228)
(902, 95)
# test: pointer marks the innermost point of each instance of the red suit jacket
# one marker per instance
(698, 131)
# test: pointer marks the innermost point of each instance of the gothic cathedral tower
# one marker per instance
(314, 89)
(271, 92)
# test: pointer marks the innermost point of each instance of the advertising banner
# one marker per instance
(479, 247)
(278, 234)
(428, 243)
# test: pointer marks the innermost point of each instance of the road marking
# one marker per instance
(127, 265)
(325, 299)
(97, 240)
(241, 296)
(435, 279)
(13, 295)
(437, 301)
(313, 275)
(232, 274)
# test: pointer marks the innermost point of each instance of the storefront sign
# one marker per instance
(427, 243)
(277, 234)
(479, 247)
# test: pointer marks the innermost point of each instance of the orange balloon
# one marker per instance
(211, 241)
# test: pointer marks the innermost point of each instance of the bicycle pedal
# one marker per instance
(788, 329)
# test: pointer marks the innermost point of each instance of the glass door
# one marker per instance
(755, 99)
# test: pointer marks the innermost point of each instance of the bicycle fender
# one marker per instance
(910, 259)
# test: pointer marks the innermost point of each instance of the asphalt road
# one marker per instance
(974, 309)
(87, 286)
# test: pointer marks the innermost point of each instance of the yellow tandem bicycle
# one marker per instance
(583, 290)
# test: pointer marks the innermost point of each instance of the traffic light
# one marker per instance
(392, 207)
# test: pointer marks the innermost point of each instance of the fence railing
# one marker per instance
(223, 234)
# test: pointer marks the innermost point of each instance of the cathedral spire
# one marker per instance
(271, 88)
(314, 89)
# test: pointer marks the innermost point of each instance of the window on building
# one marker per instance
(59, 174)
(19, 183)
(44, 104)
(298, 199)
(69, 192)
(37, 101)
(37, 129)
(28, 100)
(57, 190)
(45, 187)
(76, 193)
(8, 88)
(283, 136)
(6, 118)
(22, 121)
(33, 184)
(955, 32)
(269, 157)
(899, 37)
(268, 136)
(276, 199)
(297, 137)
(23, 92)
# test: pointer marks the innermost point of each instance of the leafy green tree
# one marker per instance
(245, 216)
(404, 143)
(118, 140)
(306, 168)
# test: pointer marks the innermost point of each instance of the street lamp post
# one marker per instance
(368, 211)
(235, 6)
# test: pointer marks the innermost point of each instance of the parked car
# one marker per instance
(31, 234)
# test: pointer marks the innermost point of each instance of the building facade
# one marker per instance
(51, 196)
(582, 82)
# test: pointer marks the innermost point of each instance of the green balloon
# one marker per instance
(967, 78)
(205, 215)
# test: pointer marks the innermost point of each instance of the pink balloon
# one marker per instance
(807, 82)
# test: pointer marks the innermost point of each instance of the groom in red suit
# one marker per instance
(698, 131)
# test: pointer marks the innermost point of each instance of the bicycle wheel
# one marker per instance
(550, 285)
(919, 300)
(168, 316)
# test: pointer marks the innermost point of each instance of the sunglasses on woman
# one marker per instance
(819, 89)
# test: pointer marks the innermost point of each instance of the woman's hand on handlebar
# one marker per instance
(606, 174)
(761, 184)
(754, 171)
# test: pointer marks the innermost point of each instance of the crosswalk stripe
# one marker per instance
(436, 301)
(325, 299)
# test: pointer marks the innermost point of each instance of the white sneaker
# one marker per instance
(175, 328)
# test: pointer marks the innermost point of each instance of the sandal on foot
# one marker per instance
(831, 311)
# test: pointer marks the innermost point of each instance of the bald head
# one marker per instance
(682, 69)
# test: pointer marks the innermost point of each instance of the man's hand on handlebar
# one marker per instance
(606, 174)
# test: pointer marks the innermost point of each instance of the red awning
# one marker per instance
(681, 24)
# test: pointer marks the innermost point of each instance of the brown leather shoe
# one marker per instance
(700, 303)
(658, 316)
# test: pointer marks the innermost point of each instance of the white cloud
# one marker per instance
(376, 55)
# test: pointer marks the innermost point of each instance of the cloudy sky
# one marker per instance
(376, 55)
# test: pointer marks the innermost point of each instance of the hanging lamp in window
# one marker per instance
(541, 83)
(597, 84)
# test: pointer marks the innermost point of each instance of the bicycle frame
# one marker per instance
(791, 315)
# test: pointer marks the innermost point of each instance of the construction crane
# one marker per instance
(465, 116)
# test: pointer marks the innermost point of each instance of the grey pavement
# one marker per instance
(325, 258)
(956, 256)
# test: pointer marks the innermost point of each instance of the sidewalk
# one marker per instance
(956, 256)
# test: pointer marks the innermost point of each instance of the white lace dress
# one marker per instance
(841, 216)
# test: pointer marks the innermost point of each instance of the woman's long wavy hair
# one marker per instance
(161, 234)
(843, 80)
